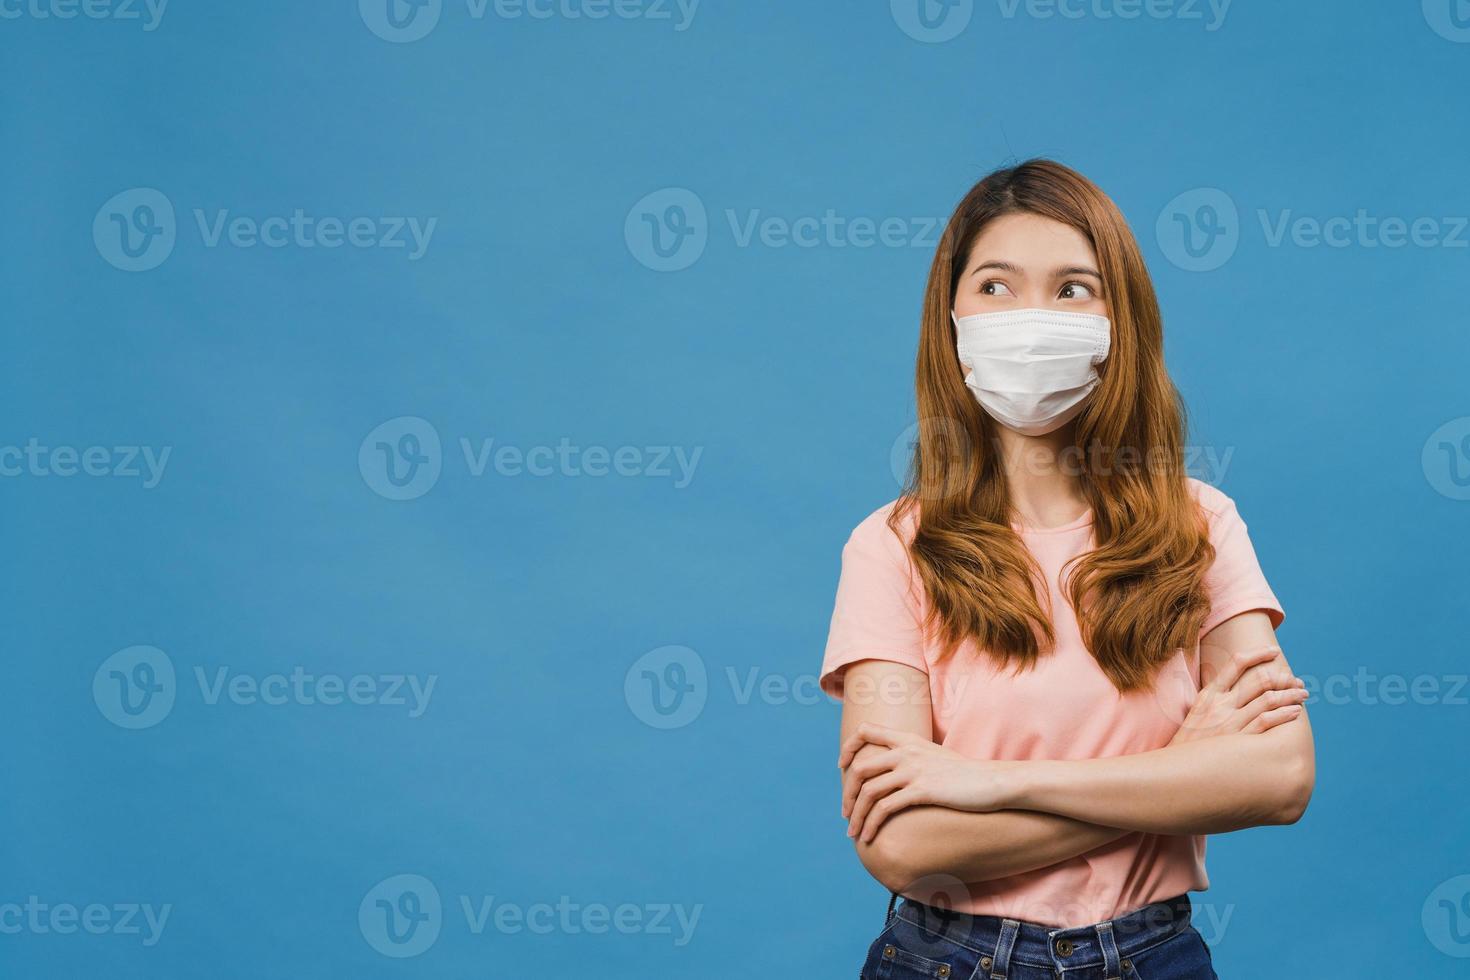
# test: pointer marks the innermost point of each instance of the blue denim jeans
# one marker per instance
(1154, 943)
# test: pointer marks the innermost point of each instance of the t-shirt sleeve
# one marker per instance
(1235, 582)
(878, 615)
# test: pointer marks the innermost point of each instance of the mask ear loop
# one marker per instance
(1104, 343)
(969, 371)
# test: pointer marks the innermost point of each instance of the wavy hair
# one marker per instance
(1139, 593)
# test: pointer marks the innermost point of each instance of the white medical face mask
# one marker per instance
(1032, 370)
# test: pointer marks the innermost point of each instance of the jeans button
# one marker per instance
(888, 952)
(943, 971)
(1064, 947)
(1127, 965)
(985, 962)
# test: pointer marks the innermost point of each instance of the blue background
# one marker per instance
(531, 319)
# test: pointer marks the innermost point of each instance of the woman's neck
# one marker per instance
(1043, 476)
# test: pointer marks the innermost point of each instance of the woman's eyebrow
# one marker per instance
(1010, 267)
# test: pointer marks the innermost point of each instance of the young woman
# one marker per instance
(1056, 651)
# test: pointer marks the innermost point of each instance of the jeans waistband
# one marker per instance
(1008, 941)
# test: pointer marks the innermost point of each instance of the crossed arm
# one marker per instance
(1243, 757)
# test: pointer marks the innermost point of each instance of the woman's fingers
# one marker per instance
(1239, 663)
(1265, 703)
(887, 807)
(873, 790)
(860, 772)
(1270, 700)
(870, 734)
(1259, 680)
(1276, 716)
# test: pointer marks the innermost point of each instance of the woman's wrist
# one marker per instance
(1026, 784)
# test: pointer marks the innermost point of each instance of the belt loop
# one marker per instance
(892, 901)
(1111, 968)
(1003, 946)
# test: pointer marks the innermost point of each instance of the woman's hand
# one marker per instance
(1253, 692)
(910, 771)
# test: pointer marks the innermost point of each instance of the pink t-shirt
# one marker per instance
(1063, 708)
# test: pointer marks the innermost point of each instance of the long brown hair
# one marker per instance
(1139, 594)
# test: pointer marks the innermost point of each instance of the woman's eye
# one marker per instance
(995, 288)
(1077, 290)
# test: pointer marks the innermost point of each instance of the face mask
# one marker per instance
(1032, 370)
